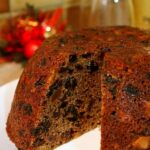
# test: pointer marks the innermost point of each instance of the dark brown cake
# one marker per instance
(58, 97)
(125, 101)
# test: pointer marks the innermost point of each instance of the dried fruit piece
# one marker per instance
(56, 114)
(86, 55)
(65, 69)
(145, 42)
(92, 66)
(27, 109)
(131, 90)
(63, 104)
(113, 113)
(72, 58)
(63, 41)
(78, 67)
(43, 127)
(113, 91)
(70, 83)
(43, 62)
(72, 113)
(38, 142)
(145, 132)
(21, 132)
(40, 82)
(103, 51)
(110, 80)
(53, 88)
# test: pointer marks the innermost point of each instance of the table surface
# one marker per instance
(9, 72)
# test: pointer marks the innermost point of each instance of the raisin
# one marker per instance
(145, 132)
(78, 48)
(113, 113)
(126, 69)
(40, 82)
(43, 62)
(72, 58)
(78, 67)
(110, 80)
(69, 93)
(62, 69)
(78, 103)
(86, 55)
(35, 131)
(103, 51)
(70, 83)
(63, 97)
(145, 42)
(56, 114)
(90, 105)
(148, 76)
(81, 114)
(38, 142)
(92, 66)
(45, 124)
(113, 91)
(21, 132)
(27, 109)
(65, 69)
(63, 104)
(72, 109)
(131, 90)
(74, 115)
(23, 86)
(73, 118)
(53, 88)
(63, 41)
(43, 127)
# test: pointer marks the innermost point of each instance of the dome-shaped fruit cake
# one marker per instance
(77, 79)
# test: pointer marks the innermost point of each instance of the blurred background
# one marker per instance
(24, 24)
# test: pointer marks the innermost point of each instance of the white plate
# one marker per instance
(88, 141)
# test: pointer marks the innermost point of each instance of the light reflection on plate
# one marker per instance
(88, 141)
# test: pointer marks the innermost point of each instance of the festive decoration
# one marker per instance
(28, 31)
(31, 47)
